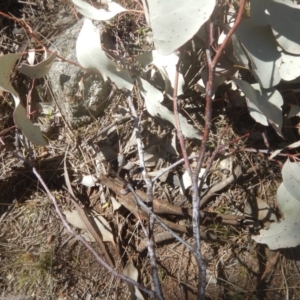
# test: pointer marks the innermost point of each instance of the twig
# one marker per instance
(162, 207)
(161, 223)
(177, 125)
(208, 113)
(196, 200)
(164, 170)
(29, 98)
(86, 244)
(25, 26)
(104, 130)
(236, 173)
(148, 182)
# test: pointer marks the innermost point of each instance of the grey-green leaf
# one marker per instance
(33, 133)
(258, 14)
(39, 70)
(285, 22)
(263, 105)
(153, 97)
(286, 233)
(290, 67)
(91, 56)
(262, 50)
(166, 65)
(235, 52)
(91, 12)
(291, 178)
(175, 22)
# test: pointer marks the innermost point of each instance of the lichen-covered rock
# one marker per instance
(80, 95)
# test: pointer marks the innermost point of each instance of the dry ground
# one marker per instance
(39, 259)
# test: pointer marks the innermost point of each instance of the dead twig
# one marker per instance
(104, 130)
(236, 173)
(162, 207)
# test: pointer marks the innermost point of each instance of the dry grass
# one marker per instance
(40, 260)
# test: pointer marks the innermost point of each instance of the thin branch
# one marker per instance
(209, 84)
(164, 170)
(150, 243)
(157, 219)
(112, 124)
(177, 125)
(86, 244)
(196, 200)
(208, 113)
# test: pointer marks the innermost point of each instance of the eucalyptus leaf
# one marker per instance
(74, 218)
(39, 70)
(146, 10)
(263, 105)
(290, 67)
(131, 271)
(186, 181)
(31, 132)
(286, 233)
(91, 56)
(98, 14)
(153, 97)
(104, 227)
(261, 48)
(7, 63)
(235, 52)
(285, 23)
(291, 178)
(166, 65)
(175, 22)
(89, 180)
(258, 14)
(294, 111)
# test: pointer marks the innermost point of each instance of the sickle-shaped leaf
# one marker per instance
(262, 50)
(263, 105)
(39, 70)
(91, 56)
(74, 218)
(131, 272)
(7, 63)
(33, 133)
(153, 97)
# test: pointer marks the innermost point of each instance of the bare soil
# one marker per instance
(40, 259)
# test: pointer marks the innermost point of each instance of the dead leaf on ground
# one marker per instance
(131, 272)
(74, 219)
(260, 210)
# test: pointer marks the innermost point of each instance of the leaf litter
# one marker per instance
(124, 225)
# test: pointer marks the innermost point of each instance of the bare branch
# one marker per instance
(150, 243)
(86, 244)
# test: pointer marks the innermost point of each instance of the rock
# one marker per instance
(80, 95)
